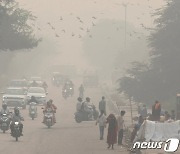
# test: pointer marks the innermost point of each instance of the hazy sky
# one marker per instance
(138, 11)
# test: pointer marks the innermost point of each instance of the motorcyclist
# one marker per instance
(79, 104)
(16, 117)
(34, 84)
(81, 91)
(87, 106)
(33, 99)
(4, 109)
(32, 102)
(51, 106)
(68, 87)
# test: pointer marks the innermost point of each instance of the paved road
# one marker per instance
(66, 137)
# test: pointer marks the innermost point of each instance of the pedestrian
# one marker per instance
(156, 111)
(120, 122)
(102, 105)
(112, 131)
(102, 124)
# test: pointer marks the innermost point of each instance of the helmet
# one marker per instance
(16, 111)
(79, 99)
(88, 99)
(4, 105)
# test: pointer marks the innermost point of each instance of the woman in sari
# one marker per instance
(112, 131)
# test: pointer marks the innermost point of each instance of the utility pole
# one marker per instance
(125, 26)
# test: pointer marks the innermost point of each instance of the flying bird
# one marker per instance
(63, 30)
(57, 35)
(94, 17)
(53, 28)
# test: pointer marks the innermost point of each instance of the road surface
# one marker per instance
(66, 137)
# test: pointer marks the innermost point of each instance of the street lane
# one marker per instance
(66, 137)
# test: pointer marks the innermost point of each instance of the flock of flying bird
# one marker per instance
(93, 20)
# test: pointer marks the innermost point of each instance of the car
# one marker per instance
(39, 93)
(20, 83)
(38, 80)
(15, 97)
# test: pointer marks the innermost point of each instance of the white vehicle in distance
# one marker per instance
(38, 80)
(15, 97)
(19, 83)
(39, 93)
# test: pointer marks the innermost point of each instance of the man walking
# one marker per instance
(102, 105)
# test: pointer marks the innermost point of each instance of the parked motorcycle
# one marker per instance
(4, 122)
(49, 118)
(84, 116)
(33, 110)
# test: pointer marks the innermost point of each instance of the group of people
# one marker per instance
(157, 113)
(115, 125)
(85, 106)
(16, 116)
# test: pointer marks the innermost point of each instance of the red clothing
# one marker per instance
(112, 129)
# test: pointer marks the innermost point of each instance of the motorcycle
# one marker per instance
(84, 116)
(68, 92)
(4, 122)
(49, 118)
(16, 132)
(33, 111)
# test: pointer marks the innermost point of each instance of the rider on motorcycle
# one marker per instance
(32, 102)
(51, 106)
(4, 109)
(81, 91)
(87, 106)
(33, 99)
(17, 117)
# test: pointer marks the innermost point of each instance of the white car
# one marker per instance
(15, 97)
(39, 93)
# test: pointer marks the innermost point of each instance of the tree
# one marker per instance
(15, 32)
(162, 78)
